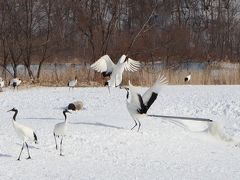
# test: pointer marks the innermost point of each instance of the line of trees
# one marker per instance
(40, 31)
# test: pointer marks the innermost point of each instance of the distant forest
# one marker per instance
(80, 31)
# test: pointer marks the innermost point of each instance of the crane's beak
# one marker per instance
(123, 87)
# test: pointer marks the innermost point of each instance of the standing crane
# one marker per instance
(60, 131)
(24, 133)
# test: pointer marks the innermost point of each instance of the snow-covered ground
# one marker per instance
(100, 144)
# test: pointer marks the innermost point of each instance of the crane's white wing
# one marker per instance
(104, 64)
(132, 65)
(129, 64)
(151, 94)
(134, 97)
(60, 129)
(188, 77)
(24, 131)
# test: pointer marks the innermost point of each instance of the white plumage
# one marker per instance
(1, 83)
(60, 130)
(187, 78)
(105, 66)
(138, 105)
(24, 133)
(15, 82)
(72, 83)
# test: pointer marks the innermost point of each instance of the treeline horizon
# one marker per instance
(81, 31)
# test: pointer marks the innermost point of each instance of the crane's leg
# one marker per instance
(134, 125)
(20, 152)
(139, 125)
(29, 157)
(55, 140)
(61, 147)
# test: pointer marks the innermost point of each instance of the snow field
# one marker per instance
(100, 144)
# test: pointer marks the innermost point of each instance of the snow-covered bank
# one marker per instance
(100, 144)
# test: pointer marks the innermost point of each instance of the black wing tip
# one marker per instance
(152, 99)
(144, 108)
(35, 138)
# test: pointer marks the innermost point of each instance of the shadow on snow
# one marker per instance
(97, 124)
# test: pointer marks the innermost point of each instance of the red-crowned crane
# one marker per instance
(24, 133)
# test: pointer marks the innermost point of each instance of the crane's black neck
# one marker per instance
(64, 113)
(127, 94)
(126, 58)
(15, 115)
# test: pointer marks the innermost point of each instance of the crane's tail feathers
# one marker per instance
(35, 138)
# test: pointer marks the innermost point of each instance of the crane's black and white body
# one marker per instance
(24, 133)
(138, 104)
(15, 82)
(1, 84)
(72, 83)
(105, 66)
(60, 130)
(187, 78)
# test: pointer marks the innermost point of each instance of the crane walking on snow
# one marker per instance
(25, 133)
(60, 131)
(105, 66)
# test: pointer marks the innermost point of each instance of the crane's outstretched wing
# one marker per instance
(151, 94)
(129, 64)
(104, 65)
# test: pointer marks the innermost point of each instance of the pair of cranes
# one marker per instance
(15, 82)
(26, 133)
(137, 104)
